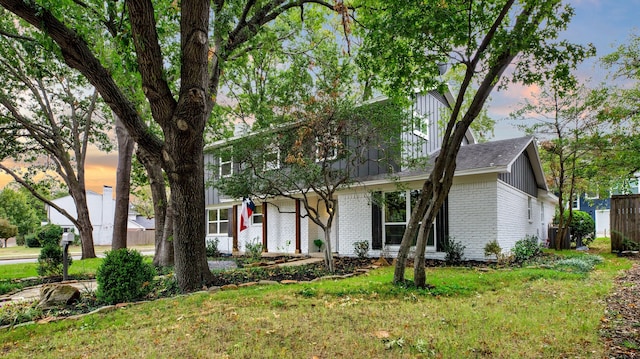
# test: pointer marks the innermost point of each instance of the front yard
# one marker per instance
(528, 312)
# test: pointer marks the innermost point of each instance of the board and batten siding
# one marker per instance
(430, 106)
(522, 176)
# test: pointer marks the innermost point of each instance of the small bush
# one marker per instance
(50, 261)
(20, 240)
(254, 249)
(32, 241)
(123, 276)
(50, 258)
(582, 264)
(361, 248)
(454, 251)
(493, 248)
(526, 248)
(51, 234)
(212, 247)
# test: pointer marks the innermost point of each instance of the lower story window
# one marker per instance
(218, 221)
(396, 217)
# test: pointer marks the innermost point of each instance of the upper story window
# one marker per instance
(271, 158)
(575, 202)
(421, 125)
(326, 148)
(225, 163)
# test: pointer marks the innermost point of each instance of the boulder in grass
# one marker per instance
(56, 295)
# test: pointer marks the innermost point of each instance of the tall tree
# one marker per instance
(406, 40)
(211, 34)
(566, 121)
(49, 119)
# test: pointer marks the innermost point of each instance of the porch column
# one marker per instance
(264, 228)
(298, 226)
(234, 230)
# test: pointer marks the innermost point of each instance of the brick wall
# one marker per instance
(355, 221)
(472, 214)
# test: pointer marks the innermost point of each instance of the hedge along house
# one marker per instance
(499, 191)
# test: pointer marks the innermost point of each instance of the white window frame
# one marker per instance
(257, 214)
(271, 164)
(408, 209)
(575, 202)
(530, 208)
(420, 125)
(331, 153)
(217, 221)
(222, 163)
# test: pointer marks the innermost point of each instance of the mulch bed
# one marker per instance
(621, 324)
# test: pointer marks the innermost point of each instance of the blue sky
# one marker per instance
(605, 23)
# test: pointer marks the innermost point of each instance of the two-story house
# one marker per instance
(498, 193)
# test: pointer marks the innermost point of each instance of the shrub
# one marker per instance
(51, 234)
(582, 264)
(361, 248)
(526, 248)
(492, 248)
(20, 240)
(254, 249)
(212, 247)
(32, 241)
(50, 258)
(582, 226)
(50, 261)
(123, 276)
(454, 251)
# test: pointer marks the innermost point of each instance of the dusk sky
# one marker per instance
(606, 24)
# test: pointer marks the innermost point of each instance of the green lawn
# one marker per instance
(503, 313)
(24, 252)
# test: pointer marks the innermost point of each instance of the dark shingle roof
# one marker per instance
(490, 154)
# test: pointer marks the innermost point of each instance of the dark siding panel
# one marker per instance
(442, 225)
(231, 224)
(376, 228)
(522, 176)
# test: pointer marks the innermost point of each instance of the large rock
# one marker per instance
(56, 295)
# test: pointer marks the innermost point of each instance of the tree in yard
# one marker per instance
(7, 230)
(179, 74)
(620, 154)
(325, 151)
(404, 41)
(566, 122)
(49, 119)
(15, 208)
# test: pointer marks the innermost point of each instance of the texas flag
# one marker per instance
(248, 207)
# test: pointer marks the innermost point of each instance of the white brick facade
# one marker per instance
(473, 213)
(355, 221)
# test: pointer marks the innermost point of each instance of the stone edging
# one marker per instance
(110, 308)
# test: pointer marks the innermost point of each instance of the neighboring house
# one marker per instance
(498, 193)
(101, 212)
(599, 208)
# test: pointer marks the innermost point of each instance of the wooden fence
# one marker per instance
(138, 238)
(625, 222)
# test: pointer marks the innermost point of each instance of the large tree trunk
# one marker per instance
(84, 222)
(123, 186)
(163, 241)
(165, 253)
